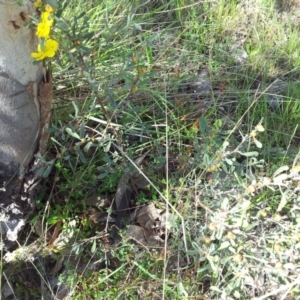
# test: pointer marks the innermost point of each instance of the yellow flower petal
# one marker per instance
(38, 55)
(43, 30)
(47, 18)
(50, 49)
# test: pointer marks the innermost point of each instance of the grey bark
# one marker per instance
(19, 116)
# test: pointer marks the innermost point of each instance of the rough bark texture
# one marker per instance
(20, 115)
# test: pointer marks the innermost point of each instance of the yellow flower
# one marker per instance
(237, 257)
(230, 235)
(50, 49)
(207, 240)
(49, 8)
(295, 169)
(134, 88)
(47, 18)
(251, 189)
(43, 30)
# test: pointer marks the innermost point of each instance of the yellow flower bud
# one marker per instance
(207, 240)
(277, 218)
(251, 189)
(230, 235)
(237, 257)
(134, 88)
(38, 3)
(49, 9)
(263, 214)
(212, 227)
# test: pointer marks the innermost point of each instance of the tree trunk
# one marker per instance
(20, 116)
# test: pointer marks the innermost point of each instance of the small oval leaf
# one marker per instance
(281, 170)
(257, 143)
(248, 154)
(72, 133)
(224, 245)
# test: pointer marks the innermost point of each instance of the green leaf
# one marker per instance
(196, 247)
(203, 125)
(42, 44)
(103, 175)
(93, 249)
(82, 130)
(53, 220)
(200, 270)
(80, 15)
(87, 146)
(247, 154)
(81, 156)
(61, 24)
(224, 245)
(229, 161)
(51, 130)
(52, 3)
(76, 108)
(107, 146)
(73, 134)
(87, 36)
(149, 55)
(47, 171)
(280, 170)
(55, 141)
(282, 203)
(257, 143)
(206, 159)
(251, 226)
(218, 123)
(76, 248)
(225, 169)
(181, 290)
(137, 26)
(216, 289)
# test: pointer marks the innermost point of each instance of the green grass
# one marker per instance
(125, 85)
